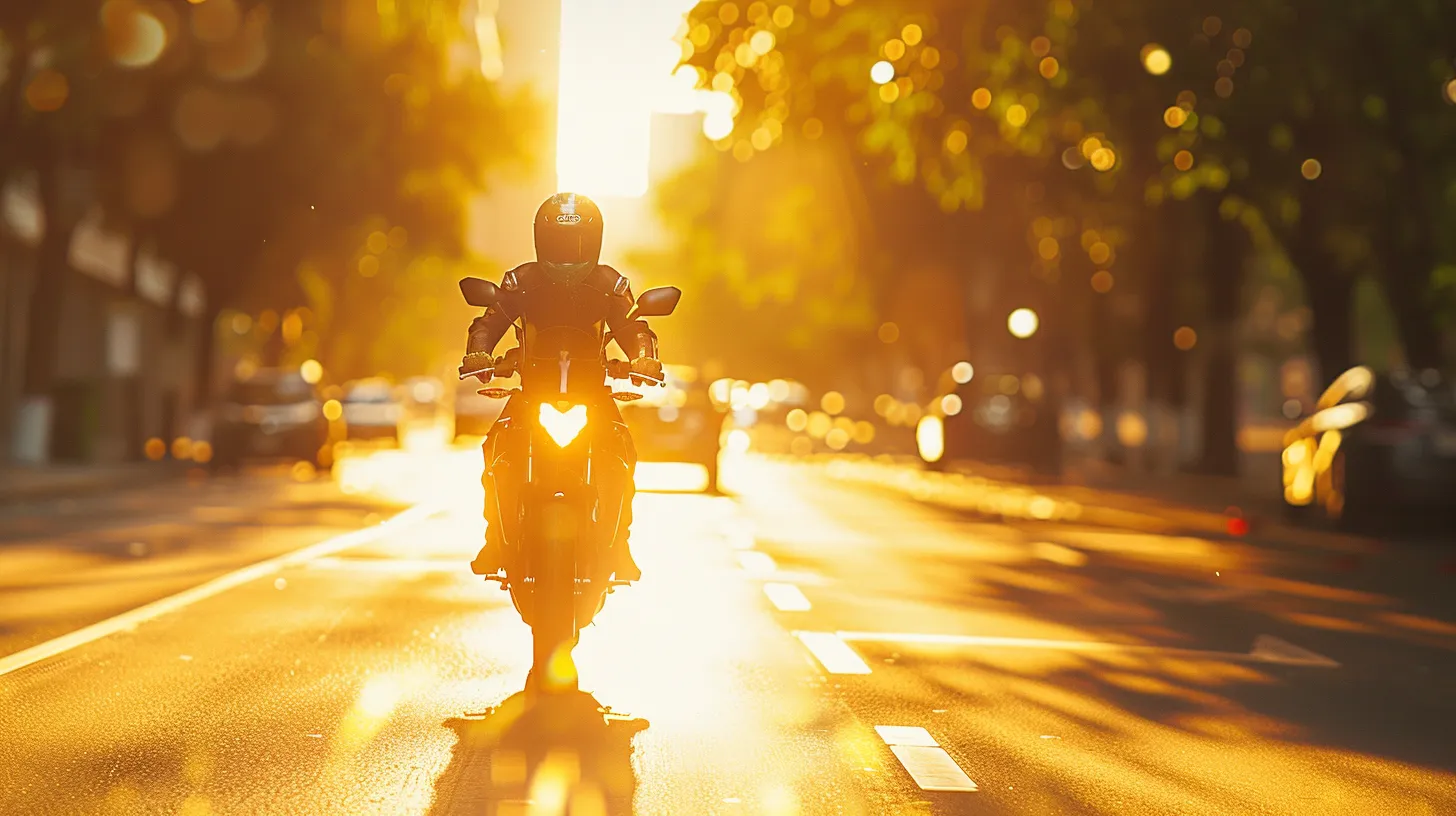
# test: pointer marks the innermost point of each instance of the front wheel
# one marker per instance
(553, 627)
(553, 670)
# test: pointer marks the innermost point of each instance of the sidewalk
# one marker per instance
(27, 483)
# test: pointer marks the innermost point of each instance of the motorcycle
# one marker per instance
(557, 572)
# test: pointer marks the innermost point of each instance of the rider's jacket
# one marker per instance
(602, 301)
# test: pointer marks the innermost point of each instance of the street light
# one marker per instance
(1022, 323)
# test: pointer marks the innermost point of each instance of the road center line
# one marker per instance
(135, 617)
(1266, 648)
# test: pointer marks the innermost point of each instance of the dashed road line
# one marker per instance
(927, 763)
(833, 654)
(787, 597)
(1201, 595)
(1266, 648)
(756, 563)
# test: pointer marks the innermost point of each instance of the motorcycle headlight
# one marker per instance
(562, 426)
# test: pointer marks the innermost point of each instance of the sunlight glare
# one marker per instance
(617, 70)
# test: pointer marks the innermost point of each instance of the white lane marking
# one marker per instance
(134, 618)
(1275, 650)
(932, 768)
(790, 577)
(1057, 554)
(1190, 594)
(927, 763)
(393, 565)
(832, 653)
(756, 563)
(906, 735)
(787, 597)
(1266, 649)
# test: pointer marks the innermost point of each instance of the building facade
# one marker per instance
(124, 363)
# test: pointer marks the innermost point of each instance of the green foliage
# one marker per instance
(1023, 112)
(268, 144)
(770, 253)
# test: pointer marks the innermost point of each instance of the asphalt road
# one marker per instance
(810, 646)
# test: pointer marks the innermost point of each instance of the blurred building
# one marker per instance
(125, 361)
(521, 43)
(635, 223)
(518, 43)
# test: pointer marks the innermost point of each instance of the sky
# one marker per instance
(617, 62)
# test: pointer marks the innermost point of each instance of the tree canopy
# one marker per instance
(1121, 165)
(285, 153)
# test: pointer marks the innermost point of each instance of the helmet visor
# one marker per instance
(566, 246)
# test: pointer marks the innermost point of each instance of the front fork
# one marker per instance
(518, 456)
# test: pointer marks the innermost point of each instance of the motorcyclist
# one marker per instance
(571, 288)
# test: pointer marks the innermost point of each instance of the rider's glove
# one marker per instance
(647, 371)
(475, 361)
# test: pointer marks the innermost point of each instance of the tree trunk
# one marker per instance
(1328, 289)
(10, 93)
(202, 390)
(1107, 359)
(1223, 282)
(53, 268)
(134, 386)
(1330, 300)
(1405, 278)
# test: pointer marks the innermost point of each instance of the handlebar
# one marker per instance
(506, 365)
(465, 375)
(502, 366)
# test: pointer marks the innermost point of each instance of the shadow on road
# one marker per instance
(559, 751)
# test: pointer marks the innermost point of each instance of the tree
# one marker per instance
(1155, 135)
(252, 142)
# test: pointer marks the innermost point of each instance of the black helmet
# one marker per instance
(568, 237)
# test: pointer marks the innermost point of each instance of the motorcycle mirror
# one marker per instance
(481, 293)
(659, 302)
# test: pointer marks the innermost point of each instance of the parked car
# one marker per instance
(1006, 419)
(371, 410)
(475, 412)
(425, 408)
(677, 423)
(274, 414)
(1377, 452)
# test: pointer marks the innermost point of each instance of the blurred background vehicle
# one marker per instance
(371, 409)
(425, 411)
(475, 412)
(677, 423)
(1377, 453)
(1002, 419)
(273, 414)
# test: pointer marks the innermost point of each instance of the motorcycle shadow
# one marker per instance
(558, 751)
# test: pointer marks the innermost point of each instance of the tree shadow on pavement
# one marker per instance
(562, 751)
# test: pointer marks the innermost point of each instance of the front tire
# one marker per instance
(553, 631)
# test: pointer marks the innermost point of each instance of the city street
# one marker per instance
(809, 643)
